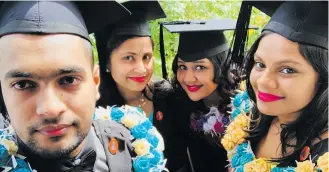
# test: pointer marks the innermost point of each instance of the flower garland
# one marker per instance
(147, 142)
(10, 160)
(240, 154)
(212, 123)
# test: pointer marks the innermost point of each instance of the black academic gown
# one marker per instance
(205, 155)
(165, 120)
(315, 152)
(204, 152)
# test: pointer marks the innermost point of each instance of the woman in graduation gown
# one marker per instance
(287, 78)
(126, 66)
(203, 87)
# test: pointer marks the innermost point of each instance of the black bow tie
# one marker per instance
(83, 164)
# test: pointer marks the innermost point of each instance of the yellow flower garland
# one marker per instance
(305, 166)
(235, 132)
(258, 165)
(323, 162)
(235, 135)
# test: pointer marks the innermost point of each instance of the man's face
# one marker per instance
(49, 86)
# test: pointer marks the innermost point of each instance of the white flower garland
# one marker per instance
(147, 142)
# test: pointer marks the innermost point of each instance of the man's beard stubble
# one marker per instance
(53, 154)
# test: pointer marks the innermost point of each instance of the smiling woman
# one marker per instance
(126, 60)
(287, 69)
(202, 83)
(278, 70)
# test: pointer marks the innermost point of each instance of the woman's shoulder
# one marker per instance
(162, 85)
(164, 89)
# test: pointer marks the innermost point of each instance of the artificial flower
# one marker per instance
(305, 166)
(282, 169)
(219, 127)
(10, 146)
(142, 164)
(102, 113)
(128, 121)
(227, 142)
(235, 113)
(243, 85)
(152, 139)
(156, 157)
(258, 165)
(141, 147)
(242, 120)
(141, 130)
(116, 114)
(322, 162)
(155, 132)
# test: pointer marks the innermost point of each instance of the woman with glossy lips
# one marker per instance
(126, 67)
(203, 88)
(287, 78)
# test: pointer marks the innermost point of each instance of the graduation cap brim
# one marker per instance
(151, 9)
(94, 15)
(99, 14)
(137, 24)
(303, 23)
(211, 30)
(201, 38)
(201, 25)
(267, 7)
(241, 34)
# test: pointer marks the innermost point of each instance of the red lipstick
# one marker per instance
(138, 79)
(265, 97)
(54, 130)
(193, 88)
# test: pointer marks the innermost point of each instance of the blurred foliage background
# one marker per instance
(194, 10)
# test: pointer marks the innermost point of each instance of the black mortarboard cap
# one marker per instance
(137, 24)
(267, 7)
(201, 39)
(240, 36)
(46, 17)
(302, 21)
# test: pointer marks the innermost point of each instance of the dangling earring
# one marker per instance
(108, 70)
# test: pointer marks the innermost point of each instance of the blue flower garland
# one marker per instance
(9, 160)
(242, 154)
(147, 141)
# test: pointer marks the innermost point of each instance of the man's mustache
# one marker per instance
(51, 121)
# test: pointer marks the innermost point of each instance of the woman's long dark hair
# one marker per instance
(224, 88)
(313, 120)
(109, 91)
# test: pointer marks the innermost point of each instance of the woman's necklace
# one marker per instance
(141, 101)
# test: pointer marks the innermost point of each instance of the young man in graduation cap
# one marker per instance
(201, 72)
(49, 87)
(287, 77)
